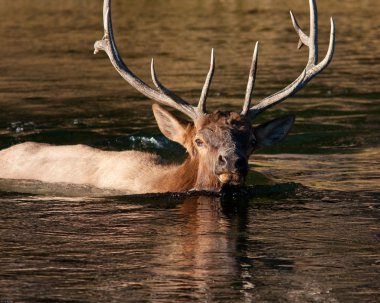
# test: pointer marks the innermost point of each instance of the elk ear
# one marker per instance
(172, 127)
(273, 131)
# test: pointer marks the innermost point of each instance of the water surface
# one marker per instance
(306, 229)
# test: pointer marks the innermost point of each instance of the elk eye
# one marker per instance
(199, 142)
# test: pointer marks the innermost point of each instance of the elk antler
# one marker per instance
(162, 95)
(206, 86)
(251, 81)
(311, 70)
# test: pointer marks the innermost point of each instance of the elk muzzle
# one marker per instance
(231, 169)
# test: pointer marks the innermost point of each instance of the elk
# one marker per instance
(218, 143)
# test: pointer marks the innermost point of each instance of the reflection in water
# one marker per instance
(275, 243)
(202, 252)
(269, 248)
(185, 252)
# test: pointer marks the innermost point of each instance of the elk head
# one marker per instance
(221, 142)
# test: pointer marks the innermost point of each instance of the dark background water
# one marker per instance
(306, 230)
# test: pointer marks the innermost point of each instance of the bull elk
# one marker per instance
(218, 143)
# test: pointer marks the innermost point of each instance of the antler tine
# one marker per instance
(161, 87)
(313, 39)
(202, 100)
(304, 39)
(330, 52)
(251, 81)
(312, 68)
(163, 96)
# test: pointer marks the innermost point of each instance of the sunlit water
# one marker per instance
(306, 229)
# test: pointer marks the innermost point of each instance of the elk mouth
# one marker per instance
(234, 179)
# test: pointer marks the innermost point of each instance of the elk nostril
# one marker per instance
(222, 161)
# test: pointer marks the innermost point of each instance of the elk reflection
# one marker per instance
(204, 250)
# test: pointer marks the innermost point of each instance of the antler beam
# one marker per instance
(162, 95)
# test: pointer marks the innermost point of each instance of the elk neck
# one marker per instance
(192, 174)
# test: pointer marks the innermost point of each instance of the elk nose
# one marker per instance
(233, 165)
(222, 162)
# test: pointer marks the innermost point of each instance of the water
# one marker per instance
(305, 230)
